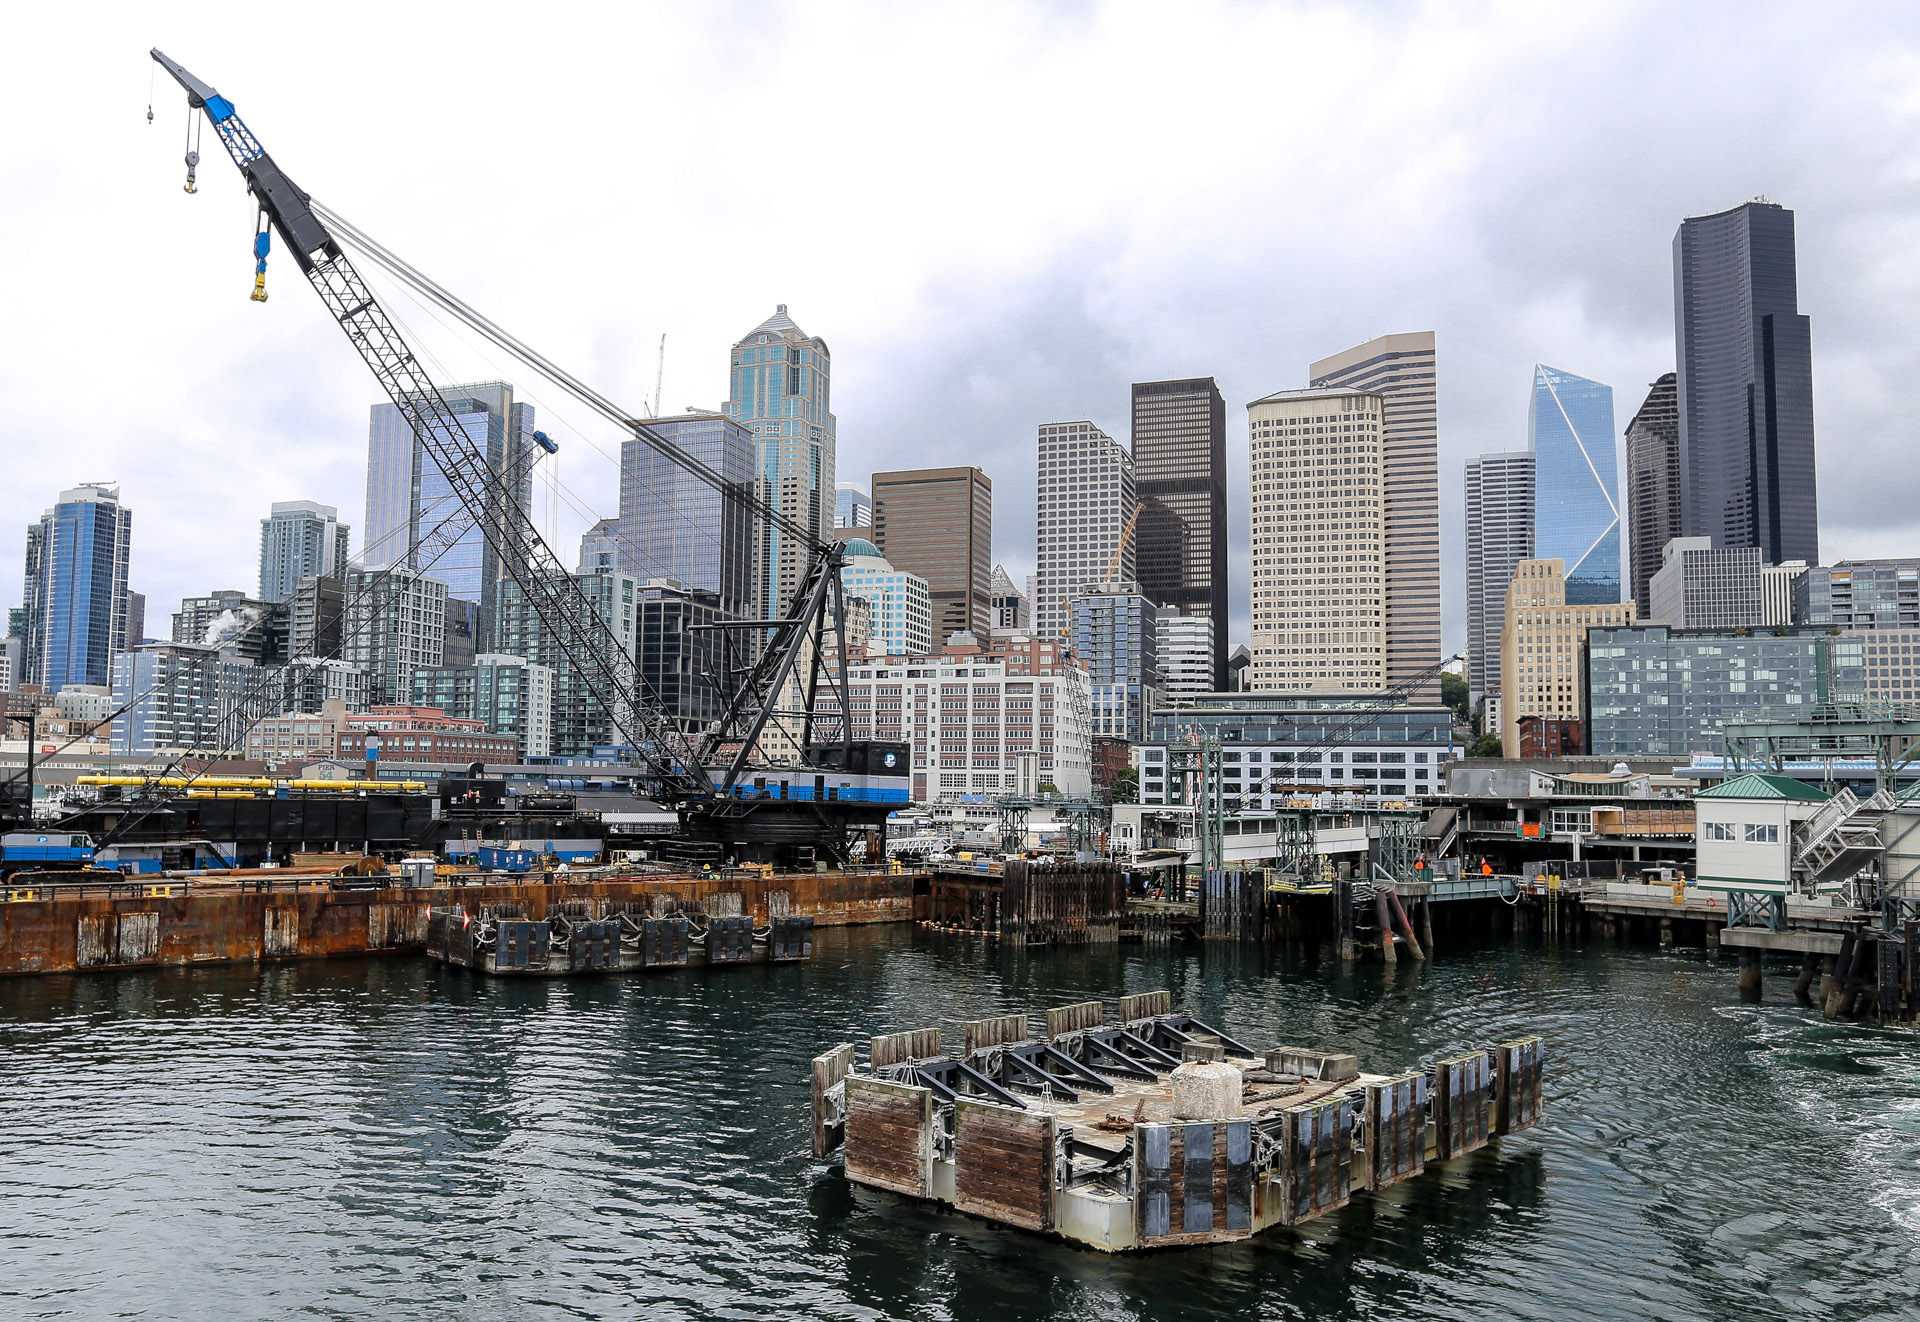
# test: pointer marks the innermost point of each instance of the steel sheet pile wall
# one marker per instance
(1062, 903)
(203, 925)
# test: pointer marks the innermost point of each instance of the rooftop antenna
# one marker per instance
(659, 376)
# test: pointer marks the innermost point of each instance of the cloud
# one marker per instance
(996, 215)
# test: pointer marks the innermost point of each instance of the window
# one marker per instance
(1717, 831)
(1760, 835)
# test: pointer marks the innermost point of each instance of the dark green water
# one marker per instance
(385, 1139)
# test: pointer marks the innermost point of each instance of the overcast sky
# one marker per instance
(996, 215)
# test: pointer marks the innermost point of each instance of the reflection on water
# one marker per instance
(389, 1139)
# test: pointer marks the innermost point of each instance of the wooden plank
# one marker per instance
(1517, 1085)
(1145, 1005)
(828, 1070)
(1463, 1087)
(1003, 1163)
(280, 932)
(889, 1135)
(899, 1048)
(1000, 1030)
(1073, 1018)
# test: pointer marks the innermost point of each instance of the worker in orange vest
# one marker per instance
(1486, 868)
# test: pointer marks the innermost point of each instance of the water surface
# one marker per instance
(388, 1139)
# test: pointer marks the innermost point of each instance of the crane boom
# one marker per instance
(577, 627)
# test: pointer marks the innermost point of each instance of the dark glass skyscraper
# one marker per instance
(1576, 488)
(1653, 486)
(1745, 384)
(676, 528)
(1180, 477)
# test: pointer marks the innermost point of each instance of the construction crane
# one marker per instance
(1120, 547)
(788, 814)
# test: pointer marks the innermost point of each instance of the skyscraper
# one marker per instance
(1745, 384)
(298, 538)
(1114, 637)
(1499, 537)
(1180, 476)
(852, 507)
(394, 624)
(781, 380)
(1012, 612)
(1403, 371)
(1653, 485)
(1086, 497)
(76, 588)
(899, 602)
(599, 549)
(408, 497)
(1576, 501)
(676, 528)
(1319, 611)
(938, 523)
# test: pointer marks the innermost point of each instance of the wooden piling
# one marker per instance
(1803, 985)
(1400, 913)
(1385, 917)
(1750, 975)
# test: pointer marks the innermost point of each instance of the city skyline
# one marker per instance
(977, 330)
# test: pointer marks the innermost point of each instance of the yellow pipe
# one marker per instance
(245, 783)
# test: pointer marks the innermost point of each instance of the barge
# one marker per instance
(1154, 1131)
(581, 936)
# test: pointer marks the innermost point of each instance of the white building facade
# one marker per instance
(971, 724)
(901, 603)
(1318, 572)
(1086, 497)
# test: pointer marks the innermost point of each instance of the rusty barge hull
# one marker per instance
(124, 928)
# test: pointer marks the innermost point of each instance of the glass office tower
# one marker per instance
(408, 497)
(676, 527)
(76, 611)
(1576, 517)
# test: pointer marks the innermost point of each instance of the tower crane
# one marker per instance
(785, 814)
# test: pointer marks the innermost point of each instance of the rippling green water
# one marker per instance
(386, 1139)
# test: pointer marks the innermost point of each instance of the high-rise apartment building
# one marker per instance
(298, 538)
(899, 604)
(1403, 371)
(938, 523)
(408, 497)
(1180, 480)
(780, 392)
(1702, 586)
(315, 617)
(676, 528)
(174, 697)
(76, 598)
(1541, 647)
(508, 695)
(1086, 496)
(1319, 592)
(1860, 594)
(1654, 486)
(852, 507)
(1576, 487)
(232, 621)
(682, 660)
(396, 621)
(582, 722)
(1745, 384)
(1113, 635)
(1499, 537)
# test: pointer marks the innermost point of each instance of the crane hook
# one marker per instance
(262, 242)
(193, 159)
